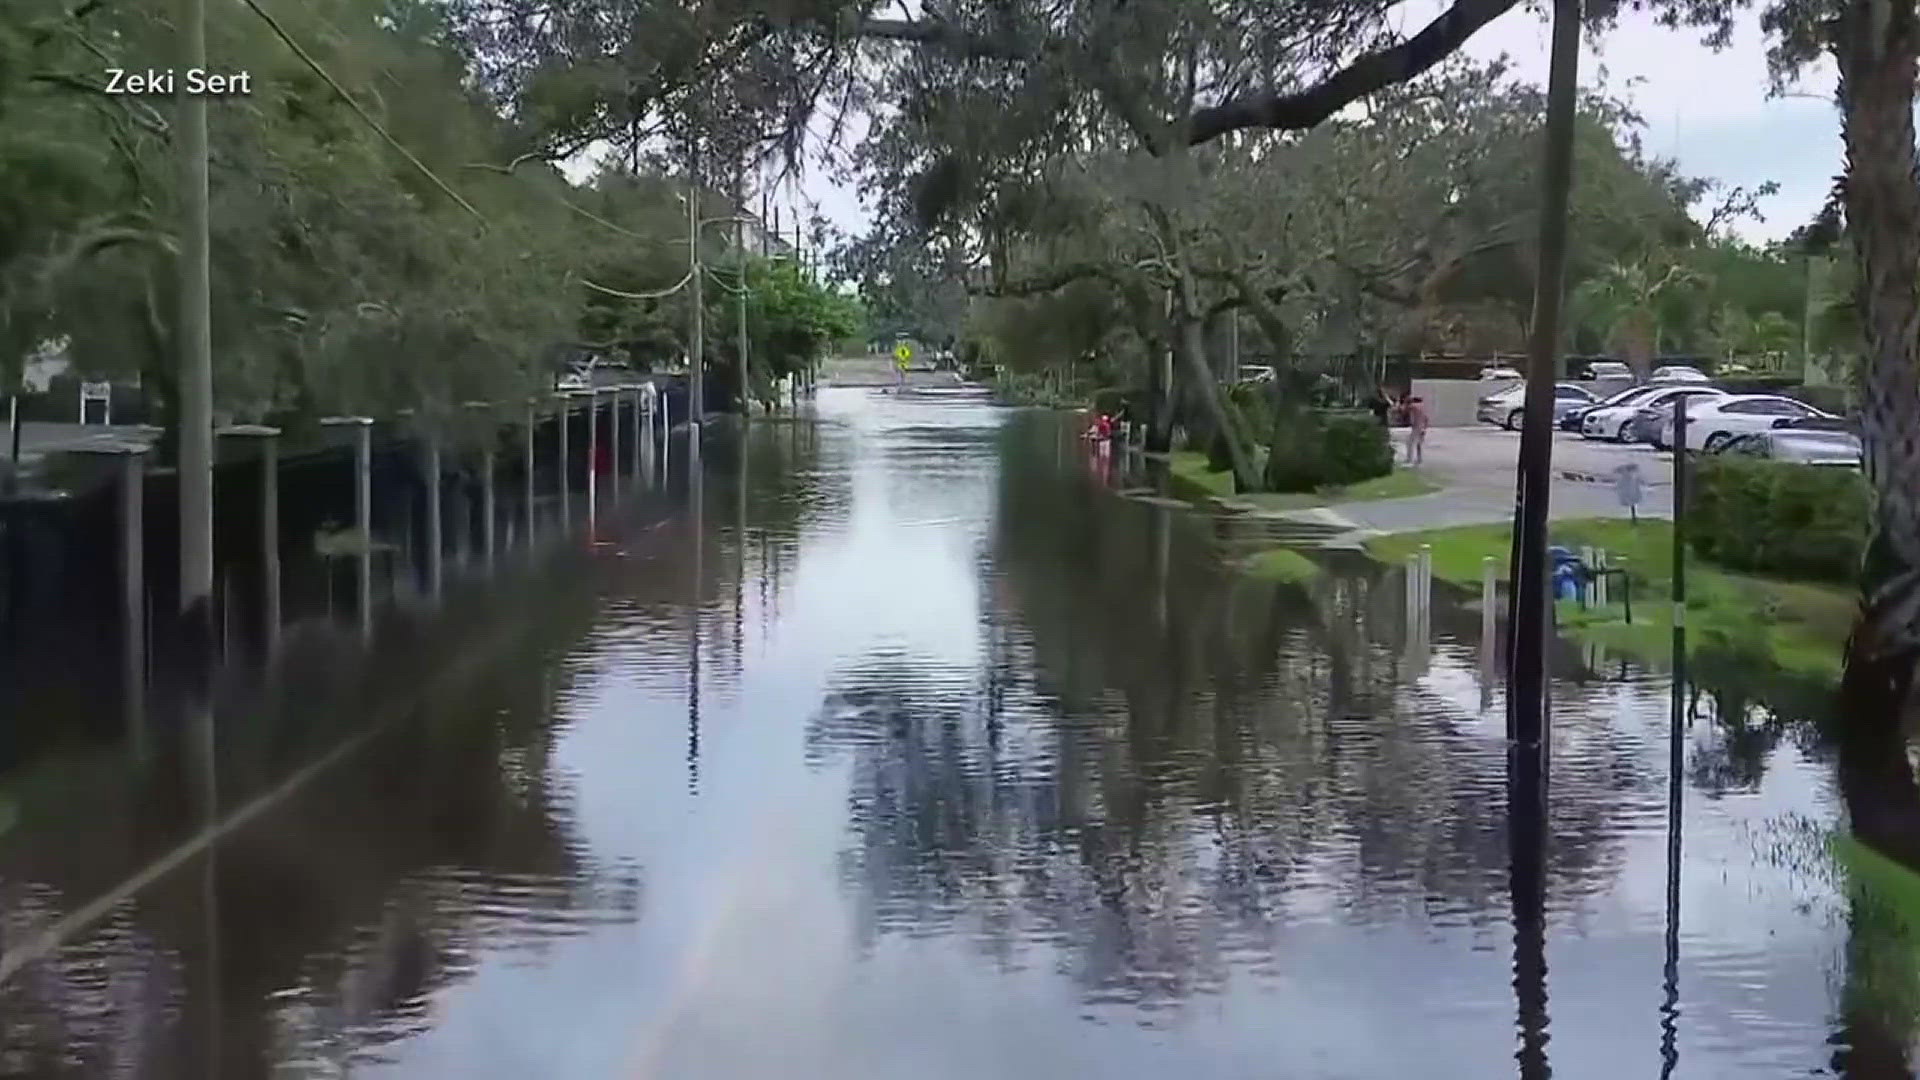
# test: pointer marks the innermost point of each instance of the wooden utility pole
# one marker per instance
(196, 343)
(696, 360)
(1527, 615)
(740, 252)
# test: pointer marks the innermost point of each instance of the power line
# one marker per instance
(354, 104)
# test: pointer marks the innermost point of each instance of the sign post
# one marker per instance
(1626, 485)
(903, 359)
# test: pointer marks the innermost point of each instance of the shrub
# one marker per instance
(1328, 448)
(1802, 521)
(1356, 446)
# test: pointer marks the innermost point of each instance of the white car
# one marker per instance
(1711, 423)
(1616, 421)
(1500, 374)
(1678, 373)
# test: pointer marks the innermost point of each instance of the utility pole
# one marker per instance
(1806, 323)
(740, 251)
(196, 345)
(696, 361)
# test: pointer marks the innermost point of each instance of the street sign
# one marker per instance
(1626, 485)
(903, 355)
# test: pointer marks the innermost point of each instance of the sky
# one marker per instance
(1708, 110)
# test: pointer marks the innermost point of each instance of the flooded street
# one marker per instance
(899, 744)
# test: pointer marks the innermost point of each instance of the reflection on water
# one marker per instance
(905, 745)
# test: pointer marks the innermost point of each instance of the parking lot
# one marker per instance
(1477, 468)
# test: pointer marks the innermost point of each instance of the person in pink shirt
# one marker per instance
(1417, 421)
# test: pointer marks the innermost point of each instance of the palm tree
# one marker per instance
(1623, 301)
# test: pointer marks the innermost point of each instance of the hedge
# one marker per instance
(1807, 522)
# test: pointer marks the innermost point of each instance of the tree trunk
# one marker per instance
(1528, 628)
(1191, 344)
(1875, 43)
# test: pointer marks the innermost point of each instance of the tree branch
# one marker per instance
(1059, 279)
(1373, 72)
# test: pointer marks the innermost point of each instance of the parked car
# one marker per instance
(1616, 422)
(1840, 449)
(1575, 418)
(1500, 374)
(1675, 373)
(1256, 373)
(1820, 422)
(1653, 423)
(1507, 407)
(1606, 371)
(1711, 423)
(1572, 419)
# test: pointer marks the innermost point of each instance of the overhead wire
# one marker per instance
(353, 103)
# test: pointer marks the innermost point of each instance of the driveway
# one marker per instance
(1476, 468)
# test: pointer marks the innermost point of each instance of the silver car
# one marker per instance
(1678, 373)
(1508, 407)
(1839, 449)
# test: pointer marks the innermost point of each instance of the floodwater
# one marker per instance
(903, 745)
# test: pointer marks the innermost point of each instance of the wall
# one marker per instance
(1451, 402)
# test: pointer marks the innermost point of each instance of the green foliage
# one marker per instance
(345, 278)
(1320, 448)
(1281, 564)
(793, 319)
(1357, 447)
(1802, 521)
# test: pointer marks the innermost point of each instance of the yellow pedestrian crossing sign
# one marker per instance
(903, 355)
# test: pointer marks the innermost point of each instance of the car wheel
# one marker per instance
(1625, 434)
(1715, 441)
(1514, 418)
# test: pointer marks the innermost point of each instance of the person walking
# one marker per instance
(1417, 421)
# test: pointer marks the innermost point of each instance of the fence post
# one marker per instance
(592, 394)
(130, 513)
(565, 464)
(430, 472)
(1626, 589)
(613, 439)
(640, 431)
(1489, 599)
(269, 463)
(362, 515)
(527, 461)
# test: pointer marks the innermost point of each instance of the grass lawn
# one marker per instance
(1802, 627)
(1192, 479)
(1281, 564)
(1398, 484)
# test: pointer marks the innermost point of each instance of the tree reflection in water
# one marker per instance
(1152, 804)
(326, 923)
